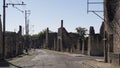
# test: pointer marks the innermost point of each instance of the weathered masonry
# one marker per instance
(64, 41)
(112, 31)
(67, 41)
(50, 41)
(14, 43)
(95, 46)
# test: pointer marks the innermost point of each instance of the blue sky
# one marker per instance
(49, 13)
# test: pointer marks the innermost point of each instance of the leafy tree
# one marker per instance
(81, 31)
(40, 35)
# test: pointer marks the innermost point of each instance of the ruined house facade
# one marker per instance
(50, 41)
(71, 42)
(95, 46)
(14, 43)
(36, 43)
(112, 30)
(68, 42)
(64, 41)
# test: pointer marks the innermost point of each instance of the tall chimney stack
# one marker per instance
(20, 30)
(61, 23)
(47, 30)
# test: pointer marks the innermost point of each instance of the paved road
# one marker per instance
(48, 59)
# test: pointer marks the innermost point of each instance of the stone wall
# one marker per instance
(50, 39)
(94, 43)
(70, 42)
(75, 42)
(20, 42)
(36, 43)
(10, 44)
(14, 44)
(114, 58)
(67, 41)
(112, 28)
(63, 40)
(112, 20)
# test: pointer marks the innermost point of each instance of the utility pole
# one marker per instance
(4, 23)
(4, 16)
(27, 14)
(95, 11)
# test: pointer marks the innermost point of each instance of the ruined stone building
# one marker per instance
(112, 31)
(10, 45)
(95, 46)
(37, 42)
(50, 41)
(14, 44)
(67, 41)
(20, 42)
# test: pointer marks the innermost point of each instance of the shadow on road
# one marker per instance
(4, 63)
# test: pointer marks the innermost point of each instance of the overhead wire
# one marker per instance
(110, 24)
(17, 1)
(89, 2)
(10, 1)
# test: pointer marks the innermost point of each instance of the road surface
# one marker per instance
(48, 59)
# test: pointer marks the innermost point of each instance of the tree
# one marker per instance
(42, 34)
(39, 35)
(81, 31)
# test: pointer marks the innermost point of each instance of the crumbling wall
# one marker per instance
(94, 44)
(14, 44)
(50, 39)
(67, 41)
(36, 43)
(19, 42)
(112, 29)
(63, 40)
(75, 42)
(112, 15)
(10, 44)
